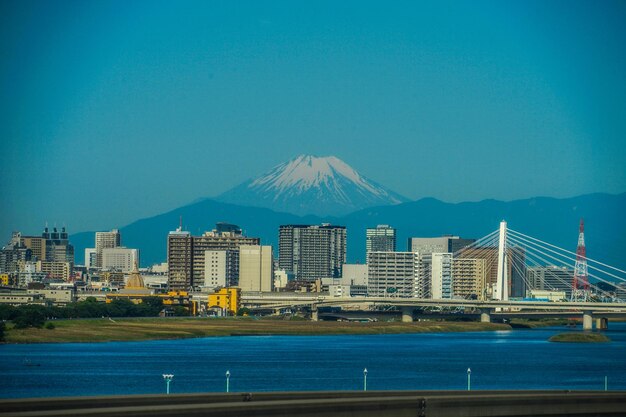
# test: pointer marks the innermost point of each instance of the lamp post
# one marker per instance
(469, 379)
(227, 381)
(168, 378)
(365, 379)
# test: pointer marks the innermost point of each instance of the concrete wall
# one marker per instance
(333, 404)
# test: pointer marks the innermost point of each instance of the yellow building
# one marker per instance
(227, 298)
(4, 279)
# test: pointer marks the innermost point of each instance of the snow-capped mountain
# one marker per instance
(312, 185)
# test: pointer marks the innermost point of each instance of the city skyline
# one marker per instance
(117, 112)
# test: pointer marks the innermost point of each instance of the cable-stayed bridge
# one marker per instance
(512, 265)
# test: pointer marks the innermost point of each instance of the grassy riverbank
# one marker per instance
(537, 324)
(579, 337)
(104, 330)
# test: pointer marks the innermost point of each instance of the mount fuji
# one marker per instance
(322, 186)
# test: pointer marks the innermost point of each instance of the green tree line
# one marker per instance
(36, 315)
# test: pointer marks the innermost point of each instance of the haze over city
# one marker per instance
(115, 111)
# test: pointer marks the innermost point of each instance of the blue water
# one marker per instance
(519, 359)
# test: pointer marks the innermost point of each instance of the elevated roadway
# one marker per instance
(486, 308)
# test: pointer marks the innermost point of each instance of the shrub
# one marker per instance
(50, 325)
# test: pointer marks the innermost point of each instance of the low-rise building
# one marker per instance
(56, 296)
(547, 295)
(226, 299)
(21, 297)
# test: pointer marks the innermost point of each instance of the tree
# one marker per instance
(31, 317)
(180, 311)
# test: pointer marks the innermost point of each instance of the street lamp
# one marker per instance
(227, 381)
(168, 378)
(365, 379)
(469, 378)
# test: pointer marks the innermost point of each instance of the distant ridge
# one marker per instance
(312, 185)
(549, 219)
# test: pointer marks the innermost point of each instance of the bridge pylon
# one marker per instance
(501, 292)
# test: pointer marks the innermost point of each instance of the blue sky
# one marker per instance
(114, 110)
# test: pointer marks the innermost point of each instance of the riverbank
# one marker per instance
(135, 329)
(578, 337)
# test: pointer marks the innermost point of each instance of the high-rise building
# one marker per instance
(396, 274)
(104, 240)
(468, 278)
(381, 238)
(186, 255)
(443, 244)
(90, 258)
(217, 268)
(179, 260)
(37, 244)
(119, 259)
(516, 267)
(312, 252)
(58, 247)
(441, 276)
(256, 268)
(14, 254)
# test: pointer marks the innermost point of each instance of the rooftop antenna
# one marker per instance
(180, 226)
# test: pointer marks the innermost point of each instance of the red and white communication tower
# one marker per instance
(580, 286)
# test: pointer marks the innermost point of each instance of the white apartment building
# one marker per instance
(119, 259)
(106, 240)
(441, 276)
(216, 268)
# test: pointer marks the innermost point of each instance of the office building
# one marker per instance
(354, 274)
(57, 246)
(37, 245)
(396, 274)
(119, 259)
(256, 268)
(312, 252)
(381, 238)
(552, 278)
(106, 240)
(443, 244)
(186, 255)
(441, 276)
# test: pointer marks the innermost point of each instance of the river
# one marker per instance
(518, 359)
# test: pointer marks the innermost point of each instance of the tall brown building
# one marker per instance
(516, 267)
(186, 254)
